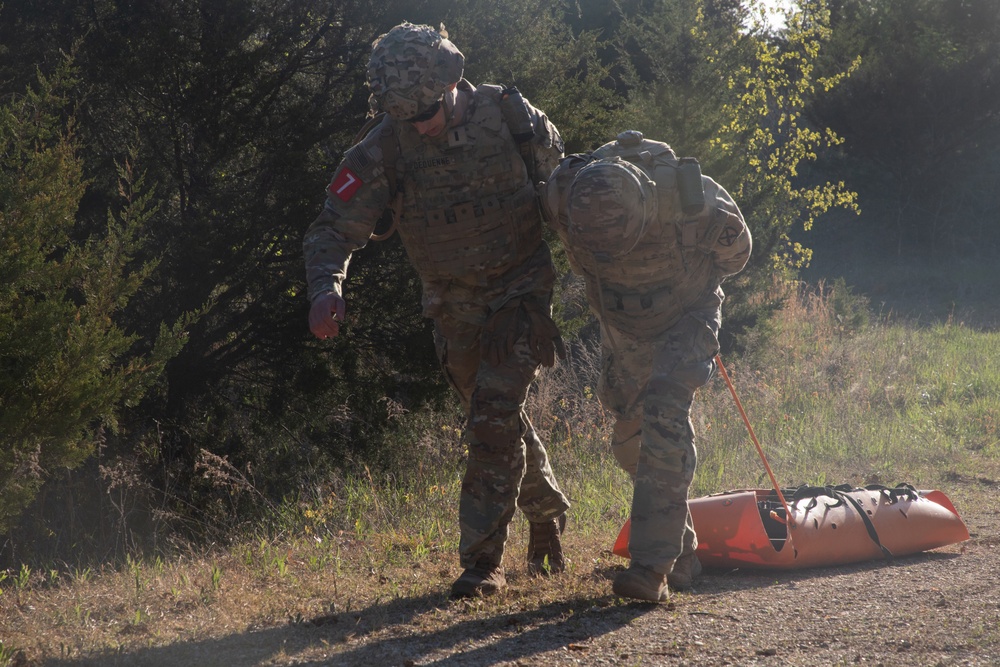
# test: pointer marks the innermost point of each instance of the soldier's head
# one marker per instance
(611, 203)
(410, 69)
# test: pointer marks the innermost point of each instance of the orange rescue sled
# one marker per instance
(832, 525)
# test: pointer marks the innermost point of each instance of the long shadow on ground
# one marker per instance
(339, 639)
(409, 631)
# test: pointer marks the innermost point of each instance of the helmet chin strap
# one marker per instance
(454, 109)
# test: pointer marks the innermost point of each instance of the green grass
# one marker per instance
(883, 401)
(871, 401)
(888, 402)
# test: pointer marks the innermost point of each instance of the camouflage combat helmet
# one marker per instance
(611, 203)
(410, 69)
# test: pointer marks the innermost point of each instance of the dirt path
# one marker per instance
(940, 608)
(937, 608)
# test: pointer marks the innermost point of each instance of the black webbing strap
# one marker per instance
(390, 152)
(840, 493)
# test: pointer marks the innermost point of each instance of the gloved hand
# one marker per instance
(326, 313)
(504, 327)
(543, 335)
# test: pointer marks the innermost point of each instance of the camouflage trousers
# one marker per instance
(508, 466)
(649, 386)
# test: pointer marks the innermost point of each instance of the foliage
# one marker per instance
(239, 110)
(68, 366)
(839, 397)
(720, 87)
(919, 120)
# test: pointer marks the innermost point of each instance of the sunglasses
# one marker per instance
(426, 114)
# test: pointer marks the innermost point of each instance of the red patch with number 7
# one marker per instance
(345, 184)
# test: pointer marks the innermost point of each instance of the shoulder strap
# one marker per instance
(390, 153)
(517, 115)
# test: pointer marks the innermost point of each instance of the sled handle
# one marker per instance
(790, 520)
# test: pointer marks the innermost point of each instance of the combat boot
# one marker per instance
(545, 554)
(641, 583)
(480, 581)
(686, 569)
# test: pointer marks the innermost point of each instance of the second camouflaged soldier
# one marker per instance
(653, 239)
(459, 164)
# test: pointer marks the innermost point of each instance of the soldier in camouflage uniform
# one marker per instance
(653, 239)
(456, 162)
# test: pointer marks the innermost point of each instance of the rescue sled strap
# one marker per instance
(840, 493)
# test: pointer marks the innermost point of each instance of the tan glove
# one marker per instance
(507, 325)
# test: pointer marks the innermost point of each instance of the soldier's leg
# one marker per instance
(687, 567)
(540, 497)
(458, 351)
(457, 345)
(496, 455)
(626, 441)
(661, 525)
(544, 505)
(625, 371)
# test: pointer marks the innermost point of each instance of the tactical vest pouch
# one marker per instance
(643, 315)
(689, 186)
(516, 115)
(474, 241)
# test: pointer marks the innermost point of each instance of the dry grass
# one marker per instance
(370, 560)
(260, 596)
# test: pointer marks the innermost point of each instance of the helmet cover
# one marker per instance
(611, 203)
(410, 68)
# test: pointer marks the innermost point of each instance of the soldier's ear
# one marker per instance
(453, 86)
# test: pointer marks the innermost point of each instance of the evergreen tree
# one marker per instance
(68, 367)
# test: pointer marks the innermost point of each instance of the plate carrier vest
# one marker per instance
(466, 209)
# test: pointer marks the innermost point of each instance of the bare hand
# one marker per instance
(326, 314)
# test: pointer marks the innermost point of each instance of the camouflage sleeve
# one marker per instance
(355, 199)
(556, 189)
(547, 146)
(733, 243)
(554, 193)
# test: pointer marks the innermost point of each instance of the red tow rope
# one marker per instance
(790, 521)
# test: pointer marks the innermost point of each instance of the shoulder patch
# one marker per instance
(729, 235)
(345, 184)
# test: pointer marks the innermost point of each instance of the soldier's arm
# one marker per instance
(555, 191)
(356, 198)
(731, 248)
(554, 194)
(546, 146)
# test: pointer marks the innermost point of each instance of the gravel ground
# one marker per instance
(936, 608)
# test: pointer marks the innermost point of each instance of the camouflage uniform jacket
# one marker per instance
(469, 217)
(678, 264)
